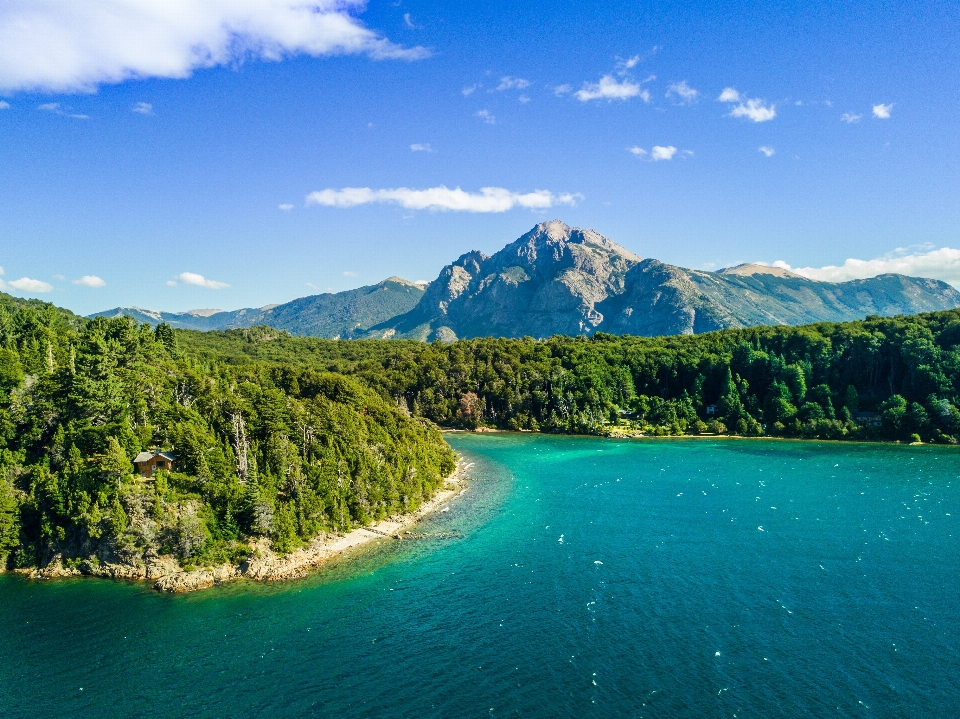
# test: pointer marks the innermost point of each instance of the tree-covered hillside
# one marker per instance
(882, 378)
(262, 450)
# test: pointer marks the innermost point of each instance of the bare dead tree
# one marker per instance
(240, 445)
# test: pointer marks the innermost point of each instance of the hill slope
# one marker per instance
(561, 280)
(331, 315)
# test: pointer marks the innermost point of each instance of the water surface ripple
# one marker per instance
(585, 578)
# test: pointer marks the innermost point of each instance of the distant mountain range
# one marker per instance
(564, 280)
(333, 315)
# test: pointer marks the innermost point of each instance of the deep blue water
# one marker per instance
(694, 578)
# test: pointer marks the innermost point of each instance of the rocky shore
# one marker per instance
(264, 565)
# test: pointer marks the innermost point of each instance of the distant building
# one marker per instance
(868, 419)
(149, 462)
(711, 410)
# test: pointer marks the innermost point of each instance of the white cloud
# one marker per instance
(192, 278)
(628, 64)
(348, 273)
(658, 153)
(489, 199)
(609, 89)
(407, 21)
(523, 99)
(755, 110)
(767, 150)
(421, 147)
(561, 90)
(486, 116)
(90, 281)
(683, 91)
(470, 89)
(882, 112)
(25, 284)
(286, 207)
(850, 118)
(4, 105)
(54, 107)
(939, 264)
(512, 83)
(142, 108)
(662, 153)
(171, 283)
(69, 46)
(2, 272)
(751, 108)
(729, 95)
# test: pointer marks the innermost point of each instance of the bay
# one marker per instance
(578, 577)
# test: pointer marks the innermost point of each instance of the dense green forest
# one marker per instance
(283, 438)
(263, 450)
(894, 378)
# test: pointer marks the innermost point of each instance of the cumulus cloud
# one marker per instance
(609, 89)
(658, 153)
(882, 112)
(192, 278)
(421, 147)
(662, 153)
(850, 118)
(939, 264)
(486, 116)
(142, 108)
(683, 92)
(69, 46)
(767, 150)
(4, 105)
(90, 281)
(561, 90)
(286, 207)
(25, 284)
(489, 199)
(512, 83)
(753, 109)
(729, 95)
(470, 89)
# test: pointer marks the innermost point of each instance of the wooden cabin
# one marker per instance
(149, 462)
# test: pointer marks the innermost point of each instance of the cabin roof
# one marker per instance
(145, 457)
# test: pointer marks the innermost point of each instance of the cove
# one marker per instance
(578, 577)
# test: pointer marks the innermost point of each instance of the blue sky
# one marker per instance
(135, 170)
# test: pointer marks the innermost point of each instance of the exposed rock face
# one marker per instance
(562, 280)
(547, 282)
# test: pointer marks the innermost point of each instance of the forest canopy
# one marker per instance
(280, 438)
(261, 452)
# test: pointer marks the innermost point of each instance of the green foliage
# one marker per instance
(824, 380)
(263, 450)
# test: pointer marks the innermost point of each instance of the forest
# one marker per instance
(262, 452)
(283, 438)
(882, 378)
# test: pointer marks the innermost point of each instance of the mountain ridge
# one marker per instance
(557, 279)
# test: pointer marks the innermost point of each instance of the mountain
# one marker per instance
(331, 315)
(557, 279)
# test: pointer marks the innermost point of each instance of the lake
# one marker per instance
(577, 577)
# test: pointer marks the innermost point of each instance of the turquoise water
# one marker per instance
(694, 578)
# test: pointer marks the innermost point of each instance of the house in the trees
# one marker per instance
(147, 463)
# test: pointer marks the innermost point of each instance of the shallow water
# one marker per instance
(589, 578)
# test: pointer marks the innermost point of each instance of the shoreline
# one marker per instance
(265, 565)
(642, 436)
